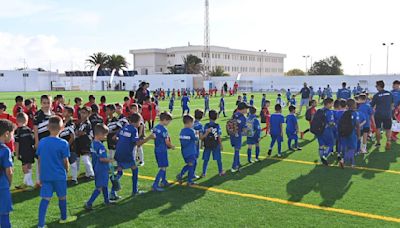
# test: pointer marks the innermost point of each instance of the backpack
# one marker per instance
(263, 117)
(211, 141)
(308, 115)
(346, 125)
(318, 123)
(250, 127)
(232, 127)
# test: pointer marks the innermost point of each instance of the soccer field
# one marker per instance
(292, 191)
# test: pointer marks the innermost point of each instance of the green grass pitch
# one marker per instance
(289, 192)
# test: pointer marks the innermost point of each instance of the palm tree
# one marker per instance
(117, 62)
(97, 58)
(219, 71)
(192, 64)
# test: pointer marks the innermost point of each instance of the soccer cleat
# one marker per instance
(196, 177)
(157, 189)
(250, 161)
(165, 185)
(298, 148)
(191, 183)
(279, 155)
(291, 149)
(324, 161)
(138, 193)
(68, 219)
(377, 145)
(257, 160)
(203, 175)
(234, 170)
(179, 178)
(141, 163)
(269, 152)
(115, 198)
(88, 207)
(222, 174)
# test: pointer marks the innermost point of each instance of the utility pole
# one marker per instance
(387, 55)
(207, 51)
(306, 57)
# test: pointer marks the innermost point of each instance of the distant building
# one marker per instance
(233, 61)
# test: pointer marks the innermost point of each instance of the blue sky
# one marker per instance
(66, 32)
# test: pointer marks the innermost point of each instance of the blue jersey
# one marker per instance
(171, 103)
(263, 101)
(288, 95)
(330, 119)
(52, 151)
(245, 99)
(185, 101)
(188, 142)
(291, 124)
(292, 101)
(396, 97)
(98, 152)
(222, 103)
(319, 92)
(216, 129)
(198, 129)
(382, 101)
(127, 138)
(5, 162)
(168, 92)
(276, 120)
(161, 134)
(329, 92)
(207, 102)
(251, 102)
(343, 93)
(365, 112)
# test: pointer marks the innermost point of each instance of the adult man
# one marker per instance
(343, 93)
(383, 104)
(305, 97)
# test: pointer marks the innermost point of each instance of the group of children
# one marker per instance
(57, 137)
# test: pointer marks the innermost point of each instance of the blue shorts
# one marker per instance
(126, 165)
(5, 201)
(326, 140)
(190, 159)
(236, 142)
(185, 109)
(101, 179)
(162, 160)
(277, 138)
(292, 136)
(48, 187)
(216, 153)
(252, 140)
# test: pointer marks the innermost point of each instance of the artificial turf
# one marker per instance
(372, 188)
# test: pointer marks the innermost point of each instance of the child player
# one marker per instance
(40, 123)
(30, 112)
(245, 98)
(253, 134)
(185, 104)
(251, 103)
(84, 141)
(53, 153)
(222, 105)
(212, 134)
(24, 150)
(276, 122)
(68, 133)
(101, 164)
(199, 130)
(188, 140)
(366, 111)
(6, 172)
(292, 128)
(206, 103)
(162, 143)
(263, 100)
(19, 105)
(128, 138)
(350, 141)
(309, 116)
(114, 125)
(266, 116)
(171, 104)
(326, 139)
(236, 139)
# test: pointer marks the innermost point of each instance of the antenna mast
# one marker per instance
(207, 51)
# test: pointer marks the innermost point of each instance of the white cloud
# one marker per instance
(38, 51)
(21, 8)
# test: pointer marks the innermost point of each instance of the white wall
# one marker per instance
(36, 81)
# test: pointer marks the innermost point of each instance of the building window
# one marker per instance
(25, 75)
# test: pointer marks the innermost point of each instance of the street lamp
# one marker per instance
(387, 55)
(306, 57)
(359, 68)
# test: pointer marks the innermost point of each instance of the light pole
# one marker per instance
(387, 55)
(359, 68)
(306, 57)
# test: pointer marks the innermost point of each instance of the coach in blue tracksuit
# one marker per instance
(344, 92)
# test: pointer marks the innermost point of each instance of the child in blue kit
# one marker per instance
(292, 101)
(276, 125)
(340, 108)
(162, 143)
(185, 104)
(206, 103)
(263, 100)
(128, 139)
(253, 134)
(199, 131)
(171, 103)
(366, 111)
(251, 103)
(222, 105)
(350, 118)
(6, 172)
(245, 98)
(101, 165)
(292, 129)
(212, 143)
(53, 153)
(326, 140)
(188, 140)
(236, 137)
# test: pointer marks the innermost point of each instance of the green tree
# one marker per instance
(295, 72)
(327, 66)
(97, 58)
(117, 62)
(219, 71)
(192, 64)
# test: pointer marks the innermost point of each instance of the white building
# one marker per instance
(233, 61)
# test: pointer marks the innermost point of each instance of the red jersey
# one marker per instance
(17, 109)
(76, 111)
(126, 110)
(153, 111)
(146, 111)
(102, 107)
(11, 144)
(313, 110)
(31, 114)
(179, 93)
(132, 101)
(89, 104)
